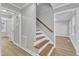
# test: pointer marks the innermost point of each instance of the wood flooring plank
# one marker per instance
(10, 49)
(64, 47)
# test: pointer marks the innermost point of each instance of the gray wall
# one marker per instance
(8, 25)
(44, 12)
(16, 29)
(0, 25)
(77, 30)
(10, 7)
(28, 26)
(62, 28)
(75, 35)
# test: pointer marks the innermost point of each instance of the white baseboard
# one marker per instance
(77, 52)
(27, 50)
(51, 51)
(63, 35)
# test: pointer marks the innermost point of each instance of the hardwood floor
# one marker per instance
(64, 47)
(9, 49)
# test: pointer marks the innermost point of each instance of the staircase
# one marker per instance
(43, 43)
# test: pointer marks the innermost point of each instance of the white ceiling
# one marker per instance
(19, 5)
(15, 6)
(4, 11)
(56, 5)
(66, 16)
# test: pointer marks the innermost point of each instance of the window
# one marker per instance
(3, 23)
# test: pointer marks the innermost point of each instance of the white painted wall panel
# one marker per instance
(28, 28)
(16, 30)
(77, 30)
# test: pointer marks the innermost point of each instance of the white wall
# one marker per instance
(62, 28)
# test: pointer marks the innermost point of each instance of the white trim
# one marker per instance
(25, 5)
(15, 5)
(61, 5)
(19, 6)
(51, 51)
(20, 29)
(77, 52)
(54, 31)
(12, 34)
(27, 50)
(63, 35)
(0, 50)
(38, 31)
(10, 10)
(64, 11)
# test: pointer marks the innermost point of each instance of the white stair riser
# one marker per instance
(40, 35)
(38, 32)
(39, 41)
(43, 47)
(50, 51)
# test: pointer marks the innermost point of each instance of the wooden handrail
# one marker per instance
(45, 25)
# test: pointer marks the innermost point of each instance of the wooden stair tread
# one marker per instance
(38, 33)
(41, 44)
(46, 50)
(38, 38)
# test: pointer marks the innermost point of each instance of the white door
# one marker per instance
(16, 30)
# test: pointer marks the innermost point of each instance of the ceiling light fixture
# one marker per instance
(4, 10)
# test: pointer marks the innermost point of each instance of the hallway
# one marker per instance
(40, 29)
(9, 49)
(64, 47)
